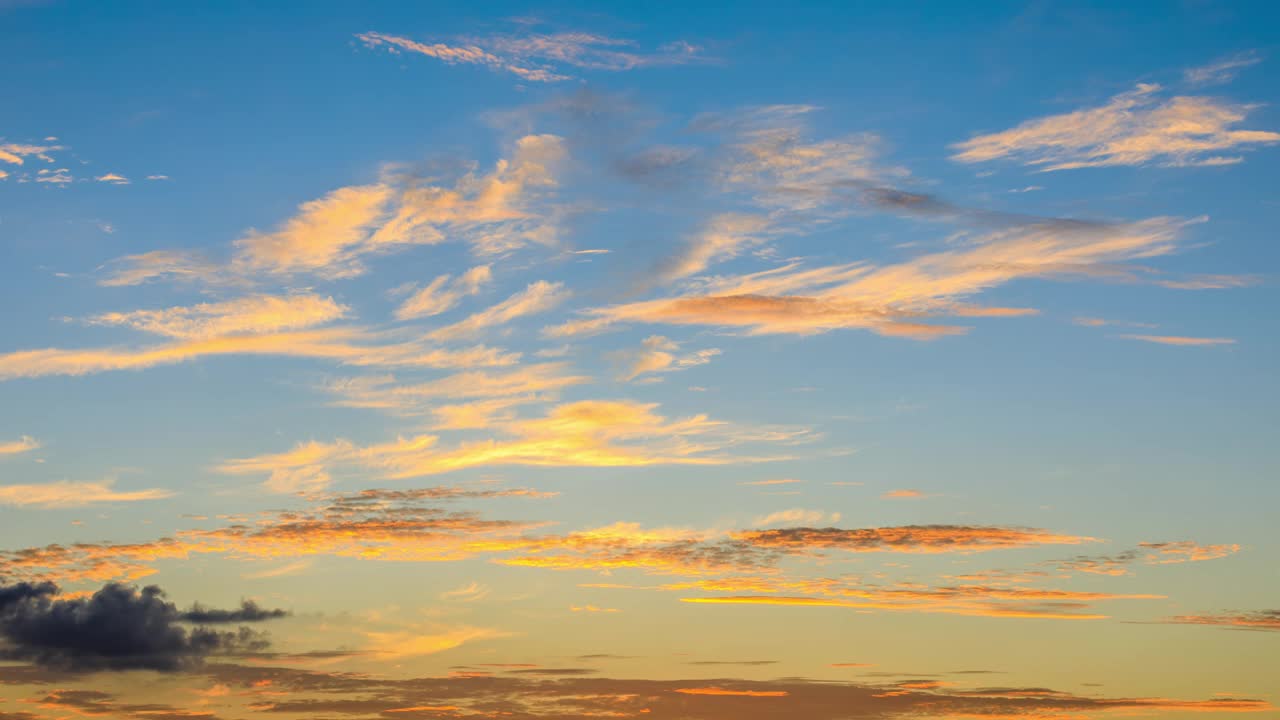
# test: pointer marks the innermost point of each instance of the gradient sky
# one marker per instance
(741, 360)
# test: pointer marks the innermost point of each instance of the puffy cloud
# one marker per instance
(1134, 128)
(116, 628)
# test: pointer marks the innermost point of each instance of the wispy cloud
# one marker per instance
(1180, 340)
(443, 293)
(896, 299)
(26, 443)
(254, 314)
(540, 57)
(657, 354)
(68, 494)
(1223, 70)
(330, 236)
(1135, 128)
(589, 433)
(1253, 620)
(538, 297)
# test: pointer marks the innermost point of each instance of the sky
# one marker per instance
(687, 362)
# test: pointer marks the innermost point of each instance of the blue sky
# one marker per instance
(483, 340)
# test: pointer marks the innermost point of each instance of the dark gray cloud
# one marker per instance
(249, 611)
(117, 628)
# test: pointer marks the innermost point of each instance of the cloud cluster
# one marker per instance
(117, 628)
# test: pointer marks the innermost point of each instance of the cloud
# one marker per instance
(313, 694)
(26, 443)
(1180, 340)
(719, 691)
(443, 293)
(526, 384)
(970, 600)
(724, 237)
(656, 355)
(797, 515)
(251, 315)
(113, 178)
(1165, 553)
(348, 346)
(907, 538)
(775, 481)
(592, 609)
(322, 237)
(589, 433)
(329, 236)
(902, 494)
(417, 642)
(896, 299)
(1135, 128)
(1221, 71)
(540, 57)
(467, 593)
(116, 628)
(68, 494)
(538, 297)
(1254, 620)
(137, 269)
(249, 611)
(17, 153)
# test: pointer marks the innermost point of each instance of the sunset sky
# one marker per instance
(685, 361)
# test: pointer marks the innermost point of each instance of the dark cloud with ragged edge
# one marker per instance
(118, 628)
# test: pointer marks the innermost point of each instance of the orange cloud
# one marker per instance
(909, 538)
(1134, 128)
(26, 443)
(1256, 620)
(733, 693)
(1180, 340)
(74, 494)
